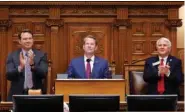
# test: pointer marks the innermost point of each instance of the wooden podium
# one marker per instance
(90, 86)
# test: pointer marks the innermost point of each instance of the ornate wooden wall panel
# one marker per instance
(144, 34)
(147, 26)
(126, 31)
(78, 32)
(180, 55)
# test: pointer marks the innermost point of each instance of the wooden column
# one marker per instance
(4, 24)
(54, 22)
(172, 23)
(122, 23)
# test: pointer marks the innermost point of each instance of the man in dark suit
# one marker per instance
(89, 65)
(26, 67)
(163, 73)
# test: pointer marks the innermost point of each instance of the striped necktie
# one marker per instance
(28, 83)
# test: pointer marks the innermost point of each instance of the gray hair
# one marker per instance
(164, 39)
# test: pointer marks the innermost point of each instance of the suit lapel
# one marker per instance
(17, 59)
(96, 61)
(169, 62)
(17, 56)
(156, 60)
(82, 68)
(36, 58)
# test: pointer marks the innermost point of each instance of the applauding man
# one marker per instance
(163, 73)
(26, 67)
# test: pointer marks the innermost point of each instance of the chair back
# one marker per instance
(134, 78)
(136, 83)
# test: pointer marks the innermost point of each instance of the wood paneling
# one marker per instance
(77, 32)
(94, 86)
(126, 31)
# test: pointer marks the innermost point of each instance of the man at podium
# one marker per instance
(89, 66)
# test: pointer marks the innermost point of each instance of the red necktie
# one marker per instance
(88, 69)
(161, 88)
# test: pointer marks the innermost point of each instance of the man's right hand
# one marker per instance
(163, 69)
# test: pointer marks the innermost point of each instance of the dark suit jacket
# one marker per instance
(100, 70)
(171, 83)
(17, 78)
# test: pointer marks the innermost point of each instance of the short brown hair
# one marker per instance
(90, 36)
(25, 31)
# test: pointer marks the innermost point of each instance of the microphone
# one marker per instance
(88, 60)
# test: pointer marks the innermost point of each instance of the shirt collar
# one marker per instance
(24, 52)
(92, 58)
(165, 58)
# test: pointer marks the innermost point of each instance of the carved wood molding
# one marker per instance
(178, 3)
(180, 54)
(149, 11)
(54, 22)
(122, 22)
(88, 11)
(170, 23)
(28, 11)
(4, 24)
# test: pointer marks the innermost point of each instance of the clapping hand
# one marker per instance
(31, 56)
(164, 69)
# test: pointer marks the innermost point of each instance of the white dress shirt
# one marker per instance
(164, 63)
(91, 62)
